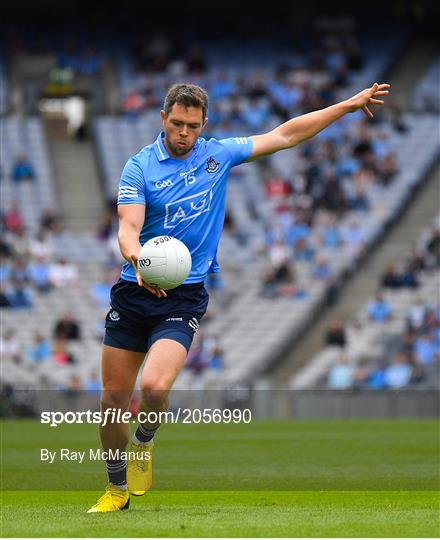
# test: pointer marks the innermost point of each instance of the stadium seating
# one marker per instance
(370, 343)
(26, 136)
(426, 95)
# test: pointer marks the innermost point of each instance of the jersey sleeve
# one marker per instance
(132, 184)
(240, 148)
(214, 267)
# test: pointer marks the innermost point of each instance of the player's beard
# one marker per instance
(177, 151)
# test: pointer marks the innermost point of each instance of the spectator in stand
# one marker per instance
(5, 269)
(20, 271)
(270, 286)
(281, 278)
(407, 347)
(195, 361)
(21, 242)
(426, 349)
(379, 310)
(278, 188)
(302, 250)
(22, 169)
(101, 291)
(215, 361)
(5, 247)
(39, 274)
(341, 375)
(73, 390)
(90, 61)
(359, 202)
(211, 352)
(256, 114)
(433, 249)
(409, 278)
(12, 219)
(354, 237)
(376, 378)
(321, 270)
(332, 197)
(108, 226)
(93, 383)
(41, 247)
(336, 335)
(4, 300)
(390, 278)
(331, 236)
(133, 104)
(67, 327)
(63, 273)
(416, 314)
(10, 348)
(41, 350)
(19, 295)
(222, 86)
(50, 221)
(416, 262)
(279, 254)
(298, 230)
(388, 169)
(61, 354)
(398, 374)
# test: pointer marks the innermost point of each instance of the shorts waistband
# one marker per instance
(190, 286)
(185, 287)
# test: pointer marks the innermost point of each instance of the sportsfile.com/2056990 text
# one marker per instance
(114, 416)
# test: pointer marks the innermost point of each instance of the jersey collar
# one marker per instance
(162, 153)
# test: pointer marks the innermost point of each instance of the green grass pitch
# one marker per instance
(269, 478)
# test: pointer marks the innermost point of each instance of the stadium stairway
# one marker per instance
(77, 184)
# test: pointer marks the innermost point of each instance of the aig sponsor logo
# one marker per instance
(187, 208)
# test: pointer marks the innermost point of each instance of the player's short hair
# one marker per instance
(188, 95)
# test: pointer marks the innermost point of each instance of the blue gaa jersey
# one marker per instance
(183, 198)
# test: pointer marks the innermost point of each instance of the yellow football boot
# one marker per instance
(113, 499)
(140, 470)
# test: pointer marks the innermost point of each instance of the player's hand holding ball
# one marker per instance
(160, 293)
(163, 263)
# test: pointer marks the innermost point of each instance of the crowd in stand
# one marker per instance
(415, 354)
(29, 266)
(334, 175)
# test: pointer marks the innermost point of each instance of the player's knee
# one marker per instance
(155, 389)
(114, 400)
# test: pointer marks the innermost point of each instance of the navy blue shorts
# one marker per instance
(137, 318)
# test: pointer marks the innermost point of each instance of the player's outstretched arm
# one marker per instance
(304, 127)
(131, 221)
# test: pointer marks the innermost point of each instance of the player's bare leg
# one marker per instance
(119, 372)
(164, 362)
